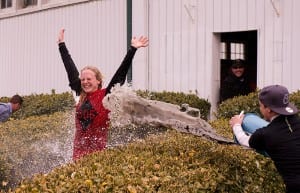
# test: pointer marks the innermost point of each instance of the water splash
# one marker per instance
(119, 136)
(128, 111)
(128, 108)
(39, 155)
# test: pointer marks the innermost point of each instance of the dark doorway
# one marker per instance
(239, 45)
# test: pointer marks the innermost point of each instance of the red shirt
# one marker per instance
(91, 125)
(91, 116)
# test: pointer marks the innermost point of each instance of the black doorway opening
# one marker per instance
(239, 45)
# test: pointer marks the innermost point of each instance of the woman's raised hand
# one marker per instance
(139, 42)
(61, 36)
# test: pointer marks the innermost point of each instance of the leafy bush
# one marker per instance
(40, 104)
(170, 162)
(179, 98)
(235, 105)
(248, 103)
(4, 176)
(165, 162)
(222, 127)
(295, 98)
(34, 144)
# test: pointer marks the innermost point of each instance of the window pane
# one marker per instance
(31, 2)
(237, 51)
(232, 51)
(223, 50)
(6, 4)
(242, 49)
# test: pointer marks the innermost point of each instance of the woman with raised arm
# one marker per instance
(91, 117)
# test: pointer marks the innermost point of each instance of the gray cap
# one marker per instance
(276, 97)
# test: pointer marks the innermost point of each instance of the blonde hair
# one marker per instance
(98, 75)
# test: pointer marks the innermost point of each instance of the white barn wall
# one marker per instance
(296, 32)
(140, 66)
(173, 47)
(183, 52)
(292, 39)
(211, 83)
(287, 39)
(268, 37)
(181, 56)
(30, 61)
(277, 56)
(261, 51)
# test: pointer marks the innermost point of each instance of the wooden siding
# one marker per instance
(183, 54)
(30, 61)
(184, 42)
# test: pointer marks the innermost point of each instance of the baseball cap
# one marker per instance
(238, 63)
(276, 97)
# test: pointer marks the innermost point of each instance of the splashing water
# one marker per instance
(128, 108)
(41, 155)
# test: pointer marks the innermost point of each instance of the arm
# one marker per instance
(5, 111)
(241, 136)
(73, 74)
(120, 75)
(3, 108)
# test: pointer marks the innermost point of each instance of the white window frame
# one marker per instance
(18, 7)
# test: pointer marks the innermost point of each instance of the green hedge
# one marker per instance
(170, 162)
(247, 103)
(4, 173)
(179, 98)
(24, 120)
(40, 104)
(166, 162)
(36, 143)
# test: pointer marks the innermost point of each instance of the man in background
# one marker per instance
(236, 82)
(7, 109)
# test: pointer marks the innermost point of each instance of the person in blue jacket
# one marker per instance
(7, 109)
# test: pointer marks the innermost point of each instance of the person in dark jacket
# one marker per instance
(236, 83)
(91, 117)
(280, 138)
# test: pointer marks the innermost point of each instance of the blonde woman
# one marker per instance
(91, 117)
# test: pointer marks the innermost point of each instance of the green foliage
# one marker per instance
(4, 176)
(170, 162)
(222, 127)
(24, 128)
(235, 105)
(179, 98)
(165, 162)
(40, 104)
(247, 103)
(295, 98)
(29, 145)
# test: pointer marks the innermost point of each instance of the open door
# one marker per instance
(239, 45)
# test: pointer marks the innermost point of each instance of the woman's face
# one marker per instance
(89, 83)
(238, 71)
